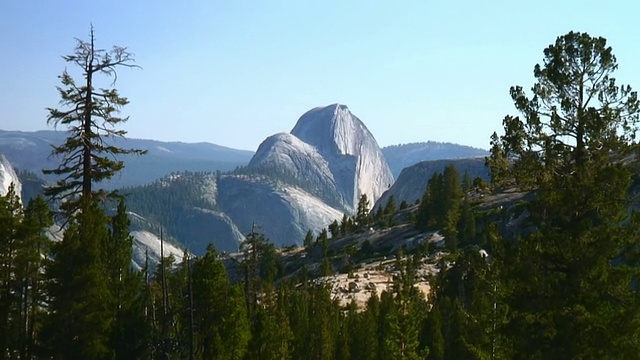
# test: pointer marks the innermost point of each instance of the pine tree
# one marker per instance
(348, 327)
(117, 252)
(390, 208)
(298, 313)
(91, 264)
(570, 284)
(389, 211)
(271, 333)
(467, 184)
(324, 319)
(89, 113)
(10, 320)
(432, 338)
(432, 204)
(404, 320)
(466, 224)
(365, 343)
(236, 325)
(308, 239)
(440, 205)
(255, 269)
(220, 314)
(362, 213)
(165, 303)
(81, 314)
(452, 195)
(31, 259)
(125, 287)
(334, 229)
(326, 269)
(464, 297)
(346, 225)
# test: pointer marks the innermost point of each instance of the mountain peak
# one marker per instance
(329, 108)
(333, 130)
(338, 147)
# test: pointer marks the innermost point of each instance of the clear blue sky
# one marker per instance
(235, 72)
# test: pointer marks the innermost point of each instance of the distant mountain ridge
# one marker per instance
(31, 151)
(405, 155)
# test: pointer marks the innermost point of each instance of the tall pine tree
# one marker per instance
(90, 115)
(571, 285)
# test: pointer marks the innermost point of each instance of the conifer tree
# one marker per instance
(81, 314)
(125, 285)
(117, 249)
(464, 297)
(10, 218)
(390, 207)
(466, 223)
(90, 115)
(404, 320)
(253, 248)
(345, 225)
(347, 332)
(432, 204)
(31, 259)
(324, 319)
(308, 239)
(440, 205)
(431, 336)
(236, 325)
(452, 195)
(220, 314)
(365, 343)
(570, 285)
(326, 269)
(298, 312)
(91, 264)
(271, 333)
(362, 213)
(334, 229)
(467, 184)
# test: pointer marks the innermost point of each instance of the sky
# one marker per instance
(235, 72)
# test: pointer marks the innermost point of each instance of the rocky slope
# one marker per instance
(147, 244)
(286, 154)
(412, 182)
(283, 212)
(8, 176)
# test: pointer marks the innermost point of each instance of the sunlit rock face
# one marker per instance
(283, 212)
(146, 250)
(8, 176)
(334, 153)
